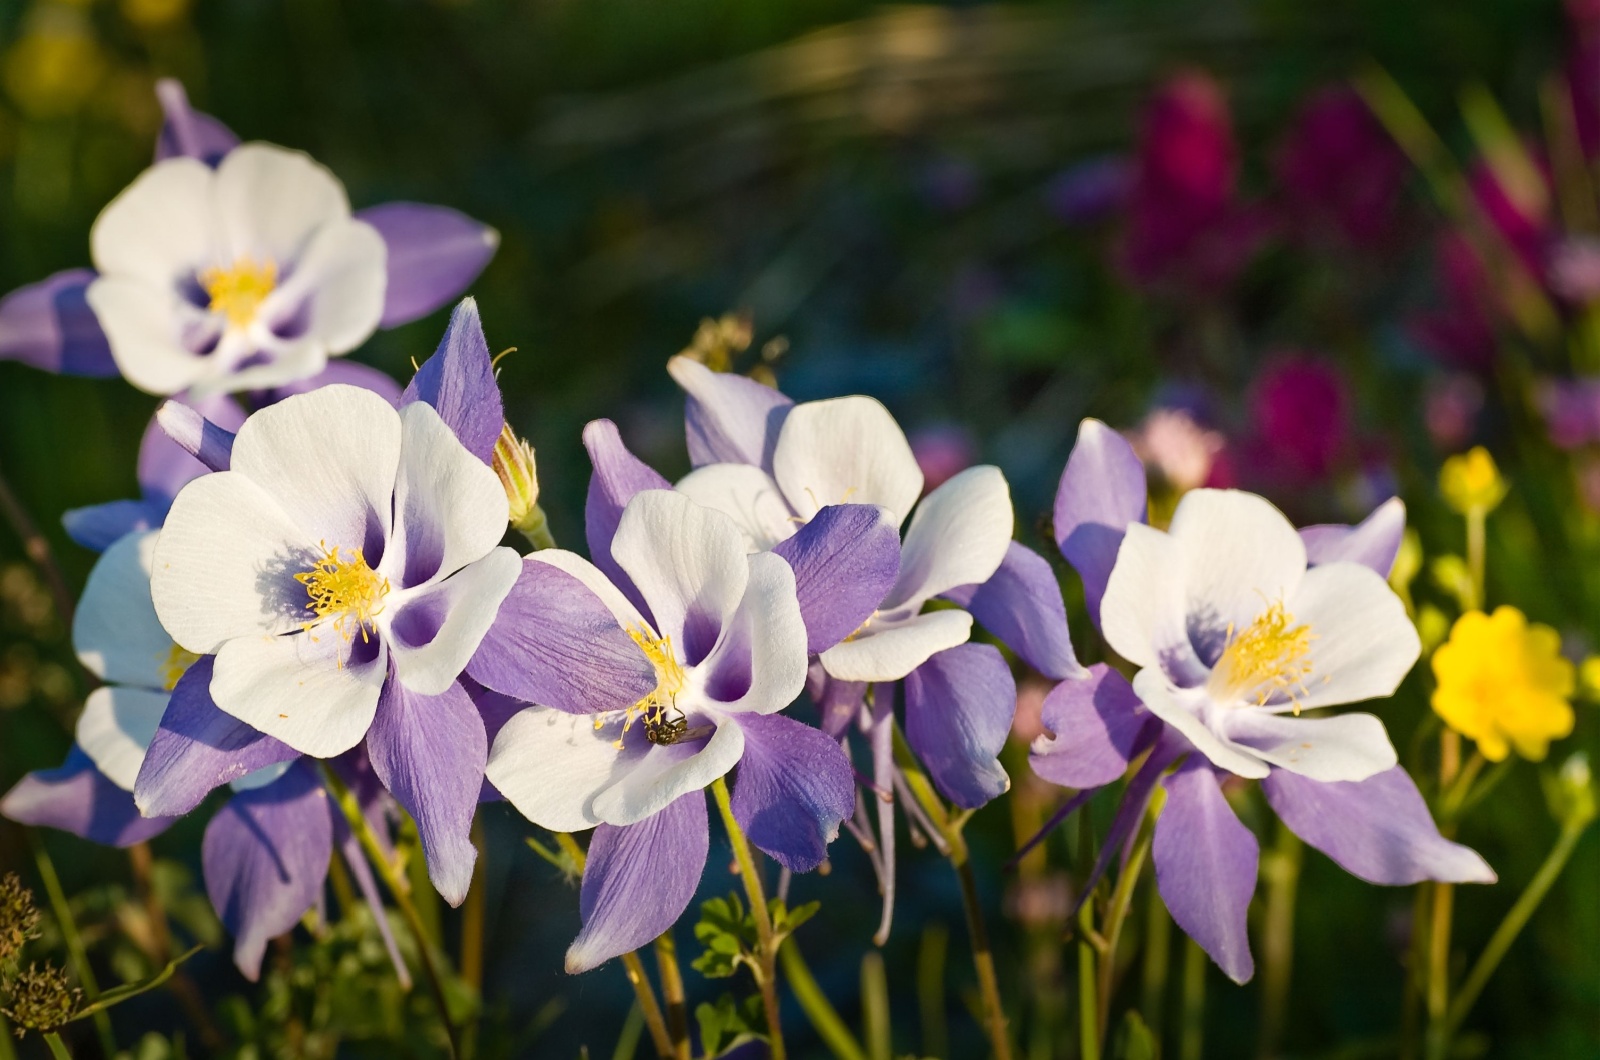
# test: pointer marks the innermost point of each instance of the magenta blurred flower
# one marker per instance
(1341, 173)
(1583, 72)
(1519, 215)
(1182, 450)
(1185, 224)
(1450, 410)
(1300, 407)
(1571, 410)
(943, 451)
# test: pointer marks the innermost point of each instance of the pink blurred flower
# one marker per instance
(1519, 215)
(942, 452)
(1341, 173)
(1450, 410)
(1571, 409)
(1184, 223)
(1574, 270)
(1300, 406)
(1170, 441)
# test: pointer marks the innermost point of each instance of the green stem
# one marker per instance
(1476, 561)
(1117, 913)
(673, 994)
(1277, 958)
(982, 955)
(399, 892)
(767, 971)
(536, 529)
(1507, 932)
(825, 1019)
(1157, 961)
(1192, 1043)
(58, 1048)
(37, 547)
(7, 1050)
(930, 989)
(73, 940)
(1088, 1006)
(647, 1006)
(875, 1006)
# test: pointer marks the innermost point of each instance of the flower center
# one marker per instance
(238, 290)
(173, 666)
(1269, 657)
(344, 589)
(664, 723)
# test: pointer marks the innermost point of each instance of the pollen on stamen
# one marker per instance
(238, 290)
(1270, 657)
(177, 662)
(670, 679)
(344, 589)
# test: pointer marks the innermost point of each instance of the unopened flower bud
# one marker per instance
(514, 463)
(1571, 793)
(1471, 482)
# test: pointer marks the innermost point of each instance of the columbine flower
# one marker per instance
(655, 681)
(1504, 683)
(957, 547)
(227, 267)
(266, 852)
(342, 566)
(1239, 626)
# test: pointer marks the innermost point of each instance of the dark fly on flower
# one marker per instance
(665, 731)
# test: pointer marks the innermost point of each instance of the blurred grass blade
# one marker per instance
(117, 995)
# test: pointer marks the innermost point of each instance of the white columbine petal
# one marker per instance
(115, 630)
(661, 774)
(551, 765)
(224, 564)
(115, 730)
(1191, 712)
(1239, 553)
(1342, 747)
(958, 536)
(688, 562)
(146, 329)
(1364, 644)
(158, 227)
(329, 459)
(270, 201)
(433, 632)
(747, 495)
(845, 450)
(1143, 613)
(886, 651)
(759, 664)
(301, 688)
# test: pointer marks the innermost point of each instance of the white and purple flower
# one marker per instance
(1238, 624)
(658, 668)
(229, 267)
(342, 566)
(266, 851)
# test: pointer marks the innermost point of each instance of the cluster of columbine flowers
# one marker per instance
(311, 604)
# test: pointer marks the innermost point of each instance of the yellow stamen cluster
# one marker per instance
(174, 666)
(238, 290)
(344, 589)
(1271, 656)
(1471, 482)
(670, 679)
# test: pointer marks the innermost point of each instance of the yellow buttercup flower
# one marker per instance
(1471, 482)
(1503, 683)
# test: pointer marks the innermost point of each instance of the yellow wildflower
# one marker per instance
(1504, 683)
(1471, 482)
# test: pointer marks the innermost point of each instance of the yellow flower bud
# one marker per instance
(1471, 482)
(1504, 683)
(514, 463)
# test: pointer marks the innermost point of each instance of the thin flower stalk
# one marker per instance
(767, 971)
(401, 894)
(825, 1020)
(74, 941)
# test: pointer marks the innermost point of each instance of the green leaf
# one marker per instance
(118, 994)
(727, 1023)
(1134, 1040)
(728, 933)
